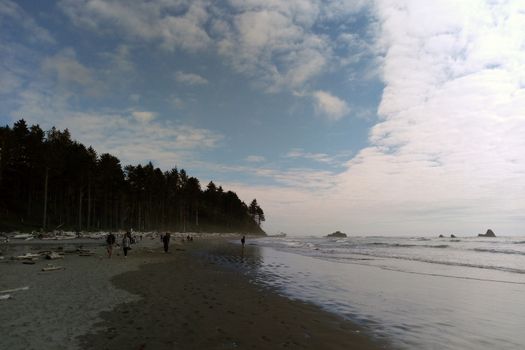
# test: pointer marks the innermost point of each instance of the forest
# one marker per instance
(49, 181)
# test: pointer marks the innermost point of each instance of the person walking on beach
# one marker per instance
(243, 240)
(126, 243)
(110, 240)
(166, 241)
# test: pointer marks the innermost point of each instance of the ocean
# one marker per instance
(413, 292)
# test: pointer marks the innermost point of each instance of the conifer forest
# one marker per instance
(50, 181)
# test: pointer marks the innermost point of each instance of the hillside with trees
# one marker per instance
(48, 180)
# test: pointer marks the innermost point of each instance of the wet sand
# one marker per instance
(189, 302)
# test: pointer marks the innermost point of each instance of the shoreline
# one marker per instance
(187, 302)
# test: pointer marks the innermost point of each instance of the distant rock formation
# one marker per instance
(452, 236)
(441, 236)
(337, 234)
(489, 233)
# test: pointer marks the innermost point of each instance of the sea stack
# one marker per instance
(337, 234)
(489, 233)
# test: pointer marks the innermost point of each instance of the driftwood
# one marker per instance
(50, 267)
(14, 290)
(27, 256)
(53, 256)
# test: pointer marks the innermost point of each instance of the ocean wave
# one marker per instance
(499, 251)
(404, 245)
(434, 261)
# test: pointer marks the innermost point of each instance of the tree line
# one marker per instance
(49, 181)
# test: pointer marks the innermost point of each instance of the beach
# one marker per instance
(152, 300)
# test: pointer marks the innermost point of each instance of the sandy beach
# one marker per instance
(153, 300)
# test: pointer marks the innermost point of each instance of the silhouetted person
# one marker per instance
(243, 240)
(110, 240)
(126, 243)
(166, 241)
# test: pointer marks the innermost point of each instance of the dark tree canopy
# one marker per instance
(49, 180)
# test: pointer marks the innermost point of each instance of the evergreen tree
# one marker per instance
(48, 180)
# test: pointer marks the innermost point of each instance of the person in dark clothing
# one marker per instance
(110, 241)
(166, 241)
(243, 240)
(126, 244)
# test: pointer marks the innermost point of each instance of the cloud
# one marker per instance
(318, 157)
(447, 155)
(174, 25)
(275, 44)
(135, 97)
(278, 44)
(9, 81)
(255, 159)
(120, 59)
(69, 73)
(330, 106)
(176, 102)
(450, 138)
(10, 11)
(143, 117)
(134, 135)
(190, 78)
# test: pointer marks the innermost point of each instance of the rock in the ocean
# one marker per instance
(337, 234)
(452, 236)
(489, 233)
(441, 236)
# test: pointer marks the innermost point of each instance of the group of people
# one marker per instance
(127, 240)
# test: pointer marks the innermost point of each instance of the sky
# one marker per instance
(387, 117)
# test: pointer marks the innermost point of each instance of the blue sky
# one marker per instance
(361, 116)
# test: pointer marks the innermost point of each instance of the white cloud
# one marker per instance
(174, 24)
(448, 155)
(133, 135)
(278, 44)
(255, 159)
(120, 59)
(70, 74)
(275, 44)
(190, 78)
(143, 117)
(329, 105)
(318, 157)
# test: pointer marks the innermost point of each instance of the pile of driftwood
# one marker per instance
(32, 258)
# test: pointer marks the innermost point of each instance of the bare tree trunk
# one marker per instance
(140, 222)
(89, 206)
(197, 215)
(80, 195)
(45, 199)
(29, 200)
